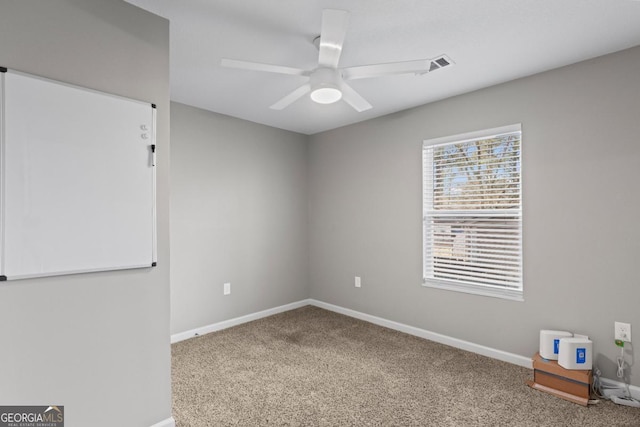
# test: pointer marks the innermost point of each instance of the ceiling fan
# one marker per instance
(327, 82)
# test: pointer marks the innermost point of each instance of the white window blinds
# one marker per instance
(473, 212)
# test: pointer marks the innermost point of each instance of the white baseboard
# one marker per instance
(169, 422)
(512, 358)
(432, 336)
(181, 336)
(634, 390)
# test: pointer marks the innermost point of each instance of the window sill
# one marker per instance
(514, 295)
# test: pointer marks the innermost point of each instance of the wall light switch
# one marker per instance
(358, 282)
(227, 288)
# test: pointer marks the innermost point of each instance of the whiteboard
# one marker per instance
(77, 179)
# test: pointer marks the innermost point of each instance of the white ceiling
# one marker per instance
(490, 41)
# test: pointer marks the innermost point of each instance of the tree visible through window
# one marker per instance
(472, 212)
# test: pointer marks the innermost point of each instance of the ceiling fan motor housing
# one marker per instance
(325, 85)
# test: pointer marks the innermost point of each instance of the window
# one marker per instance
(472, 204)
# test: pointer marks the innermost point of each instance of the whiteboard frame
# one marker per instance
(3, 157)
(154, 250)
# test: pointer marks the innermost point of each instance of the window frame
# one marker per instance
(452, 285)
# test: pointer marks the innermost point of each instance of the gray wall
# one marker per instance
(96, 343)
(581, 169)
(238, 215)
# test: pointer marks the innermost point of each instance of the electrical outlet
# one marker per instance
(358, 282)
(227, 288)
(622, 331)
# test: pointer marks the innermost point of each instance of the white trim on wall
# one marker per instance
(493, 353)
(634, 390)
(515, 359)
(411, 330)
(181, 336)
(169, 422)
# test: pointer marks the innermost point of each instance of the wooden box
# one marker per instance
(569, 384)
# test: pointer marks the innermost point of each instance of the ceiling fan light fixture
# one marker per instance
(327, 94)
(325, 86)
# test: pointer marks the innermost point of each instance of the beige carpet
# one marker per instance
(312, 367)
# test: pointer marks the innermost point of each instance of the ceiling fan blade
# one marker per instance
(257, 66)
(354, 99)
(418, 66)
(292, 97)
(334, 29)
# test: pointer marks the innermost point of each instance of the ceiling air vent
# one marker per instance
(440, 62)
